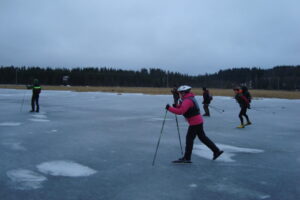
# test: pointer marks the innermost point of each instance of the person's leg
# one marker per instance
(37, 103)
(245, 114)
(190, 136)
(241, 116)
(205, 107)
(205, 140)
(208, 109)
(32, 104)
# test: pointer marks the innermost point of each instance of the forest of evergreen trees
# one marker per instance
(281, 77)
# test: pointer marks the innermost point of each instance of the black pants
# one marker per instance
(190, 136)
(206, 109)
(35, 101)
(243, 113)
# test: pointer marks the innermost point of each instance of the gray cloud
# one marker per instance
(192, 36)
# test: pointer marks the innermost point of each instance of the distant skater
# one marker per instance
(244, 103)
(247, 94)
(206, 101)
(189, 108)
(36, 90)
(175, 95)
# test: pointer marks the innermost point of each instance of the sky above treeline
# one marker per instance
(187, 36)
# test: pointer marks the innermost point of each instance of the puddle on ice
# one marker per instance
(229, 152)
(65, 168)
(23, 179)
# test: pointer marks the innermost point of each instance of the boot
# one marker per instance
(216, 155)
(241, 126)
(248, 123)
(182, 160)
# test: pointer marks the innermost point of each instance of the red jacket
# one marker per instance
(184, 107)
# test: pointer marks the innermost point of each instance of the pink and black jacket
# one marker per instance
(189, 108)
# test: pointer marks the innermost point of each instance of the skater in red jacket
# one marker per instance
(244, 103)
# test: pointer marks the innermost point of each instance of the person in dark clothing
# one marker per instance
(206, 101)
(244, 104)
(189, 108)
(36, 90)
(175, 95)
(247, 94)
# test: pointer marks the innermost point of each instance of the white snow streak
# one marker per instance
(39, 120)
(10, 124)
(229, 152)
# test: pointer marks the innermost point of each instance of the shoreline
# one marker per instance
(157, 91)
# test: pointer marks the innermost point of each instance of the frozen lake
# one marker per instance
(91, 146)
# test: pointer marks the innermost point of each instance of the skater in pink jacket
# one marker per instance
(189, 108)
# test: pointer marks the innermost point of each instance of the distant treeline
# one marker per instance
(281, 77)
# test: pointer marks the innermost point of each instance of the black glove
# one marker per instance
(174, 105)
(167, 107)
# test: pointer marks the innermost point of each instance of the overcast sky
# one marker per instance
(189, 36)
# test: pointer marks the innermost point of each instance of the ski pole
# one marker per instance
(220, 110)
(178, 134)
(161, 131)
(259, 110)
(22, 101)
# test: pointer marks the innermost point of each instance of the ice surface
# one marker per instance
(14, 145)
(116, 136)
(244, 193)
(24, 179)
(65, 168)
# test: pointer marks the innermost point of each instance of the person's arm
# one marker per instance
(180, 110)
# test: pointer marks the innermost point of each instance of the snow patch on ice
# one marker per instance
(23, 179)
(10, 124)
(193, 185)
(264, 196)
(53, 131)
(14, 146)
(39, 120)
(229, 152)
(65, 168)
(39, 116)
